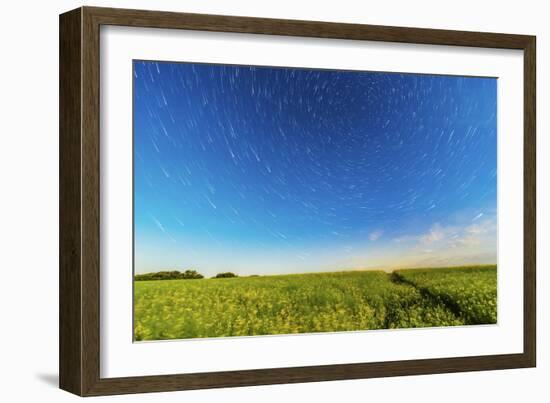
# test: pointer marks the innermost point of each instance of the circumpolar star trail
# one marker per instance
(275, 170)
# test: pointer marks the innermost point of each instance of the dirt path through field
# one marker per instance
(399, 279)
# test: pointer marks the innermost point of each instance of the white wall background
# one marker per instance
(29, 202)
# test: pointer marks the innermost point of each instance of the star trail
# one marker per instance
(276, 170)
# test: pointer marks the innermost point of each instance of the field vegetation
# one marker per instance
(317, 302)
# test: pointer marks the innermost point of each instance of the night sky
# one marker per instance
(263, 170)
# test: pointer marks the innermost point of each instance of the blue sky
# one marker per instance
(262, 170)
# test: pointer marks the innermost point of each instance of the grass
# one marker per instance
(317, 302)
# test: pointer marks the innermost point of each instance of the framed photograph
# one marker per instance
(249, 201)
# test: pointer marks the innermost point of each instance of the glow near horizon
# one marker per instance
(279, 170)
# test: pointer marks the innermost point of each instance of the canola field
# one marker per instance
(317, 302)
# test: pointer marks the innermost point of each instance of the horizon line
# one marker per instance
(385, 269)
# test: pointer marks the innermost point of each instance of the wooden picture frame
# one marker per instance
(79, 278)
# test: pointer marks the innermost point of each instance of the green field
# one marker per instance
(318, 302)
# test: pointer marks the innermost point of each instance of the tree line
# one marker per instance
(178, 275)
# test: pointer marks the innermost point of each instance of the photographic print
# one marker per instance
(284, 200)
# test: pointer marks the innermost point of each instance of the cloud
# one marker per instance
(435, 234)
(477, 233)
(375, 235)
(481, 228)
(439, 236)
(461, 243)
